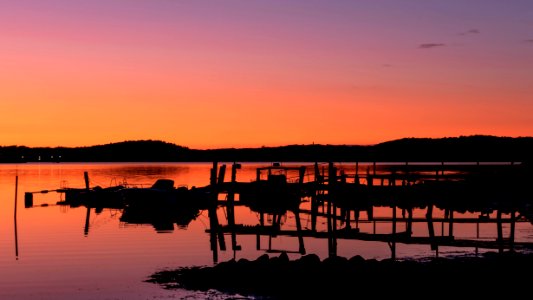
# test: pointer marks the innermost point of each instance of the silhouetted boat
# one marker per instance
(276, 192)
(163, 194)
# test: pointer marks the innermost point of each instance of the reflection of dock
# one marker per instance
(400, 237)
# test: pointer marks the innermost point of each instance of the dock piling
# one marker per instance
(86, 177)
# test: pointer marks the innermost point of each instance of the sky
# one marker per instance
(250, 73)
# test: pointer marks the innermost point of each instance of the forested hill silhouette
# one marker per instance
(464, 148)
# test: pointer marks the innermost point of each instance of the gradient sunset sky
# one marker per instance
(248, 73)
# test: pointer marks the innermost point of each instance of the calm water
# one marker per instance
(45, 253)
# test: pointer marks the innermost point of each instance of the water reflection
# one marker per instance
(336, 202)
(336, 210)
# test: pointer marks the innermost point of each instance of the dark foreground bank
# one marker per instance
(495, 275)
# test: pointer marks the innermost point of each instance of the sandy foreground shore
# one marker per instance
(492, 274)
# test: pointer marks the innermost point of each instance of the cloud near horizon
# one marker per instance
(431, 45)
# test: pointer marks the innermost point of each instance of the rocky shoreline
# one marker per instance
(506, 274)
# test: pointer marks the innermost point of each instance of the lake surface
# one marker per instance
(47, 252)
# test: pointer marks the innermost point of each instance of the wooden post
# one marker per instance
(393, 244)
(16, 194)
(409, 222)
(317, 173)
(330, 230)
(221, 241)
(212, 213)
(231, 205)
(512, 229)
(357, 214)
(431, 230)
(500, 230)
(86, 177)
(314, 199)
(314, 212)
(213, 178)
(334, 228)
(231, 209)
(221, 174)
(450, 224)
(299, 230)
(301, 174)
(332, 175)
(347, 219)
(370, 213)
(213, 224)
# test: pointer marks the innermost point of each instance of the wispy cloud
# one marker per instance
(530, 41)
(430, 45)
(470, 32)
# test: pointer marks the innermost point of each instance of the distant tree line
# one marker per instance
(457, 149)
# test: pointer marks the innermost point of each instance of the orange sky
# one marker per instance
(253, 73)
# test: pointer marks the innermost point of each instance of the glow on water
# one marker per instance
(47, 252)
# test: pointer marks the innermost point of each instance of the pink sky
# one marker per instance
(208, 74)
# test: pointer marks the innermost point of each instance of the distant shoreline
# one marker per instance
(454, 149)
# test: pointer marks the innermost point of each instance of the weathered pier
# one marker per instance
(336, 200)
(336, 195)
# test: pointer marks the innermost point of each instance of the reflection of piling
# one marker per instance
(15, 217)
(512, 229)
(220, 181)
(450, 223)
(431, 230)
(299, 230)
(297, 211)
(393, 242)
(314, 198)
(212, 212)
(87, 219)
(231, 206)
(500, 230)
(409, 225)
(331, 211)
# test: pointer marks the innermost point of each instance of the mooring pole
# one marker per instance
(16, 194)
(15, 218)
(86, 177)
